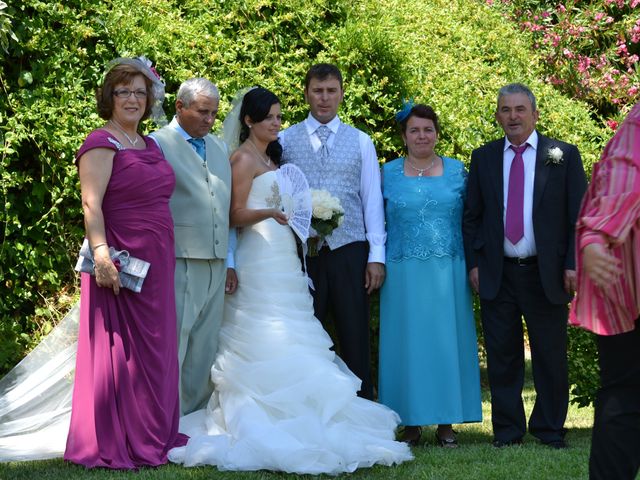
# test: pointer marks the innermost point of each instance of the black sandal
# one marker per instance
(413, 439)
(447, 442)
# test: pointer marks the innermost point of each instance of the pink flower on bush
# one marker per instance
(583, 64)
(588, 50)
(552, 38)
(612, 124)
(635, 32)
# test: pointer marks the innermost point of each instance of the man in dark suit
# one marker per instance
(523, 197)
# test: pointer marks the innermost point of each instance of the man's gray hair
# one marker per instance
(518, 88)
(193, 87)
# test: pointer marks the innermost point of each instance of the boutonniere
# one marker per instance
(554, 156)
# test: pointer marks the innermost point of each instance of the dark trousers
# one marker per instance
(615, 442)
(338, 276)
(521, 294)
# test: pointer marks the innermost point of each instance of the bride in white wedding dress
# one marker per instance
(283, 400)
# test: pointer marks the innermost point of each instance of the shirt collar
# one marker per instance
(312, 124)
(183, 133)
(532, 141)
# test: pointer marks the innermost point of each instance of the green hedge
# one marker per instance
(452, 54)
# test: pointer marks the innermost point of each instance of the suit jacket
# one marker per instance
(201, 199)
(557, 193)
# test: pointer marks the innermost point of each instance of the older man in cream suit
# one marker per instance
(200, 209)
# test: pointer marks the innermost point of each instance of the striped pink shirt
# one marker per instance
(610, 215)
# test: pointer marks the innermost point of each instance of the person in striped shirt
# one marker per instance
(607, 300)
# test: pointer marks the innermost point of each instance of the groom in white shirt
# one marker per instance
(342, 160)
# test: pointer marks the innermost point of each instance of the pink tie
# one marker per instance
(514, 225)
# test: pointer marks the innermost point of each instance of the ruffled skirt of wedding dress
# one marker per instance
(283, 400)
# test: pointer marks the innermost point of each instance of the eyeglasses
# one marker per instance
(126, 93)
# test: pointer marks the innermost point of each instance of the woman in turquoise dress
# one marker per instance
(429, 370)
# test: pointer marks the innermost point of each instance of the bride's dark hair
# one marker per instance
(256, 104)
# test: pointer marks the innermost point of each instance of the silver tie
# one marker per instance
(323, 133)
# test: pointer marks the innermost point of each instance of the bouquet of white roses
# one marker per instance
(328, 215)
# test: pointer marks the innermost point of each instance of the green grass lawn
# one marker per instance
(475, 459)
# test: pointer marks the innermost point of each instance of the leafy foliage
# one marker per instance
(584, 375)
(451, 54)
(5, 28)
(590, 49)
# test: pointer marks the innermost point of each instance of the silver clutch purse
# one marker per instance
(132, 271)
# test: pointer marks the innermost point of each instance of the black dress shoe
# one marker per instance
(507, 443)
(556, 444)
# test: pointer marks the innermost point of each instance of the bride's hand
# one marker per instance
(279, 216)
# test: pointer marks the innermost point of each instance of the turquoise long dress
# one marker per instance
(429, 370)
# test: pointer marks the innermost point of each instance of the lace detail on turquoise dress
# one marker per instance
(424, 214)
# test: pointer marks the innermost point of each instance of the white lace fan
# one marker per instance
(295, 199)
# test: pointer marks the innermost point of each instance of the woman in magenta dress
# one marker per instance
(125, 407)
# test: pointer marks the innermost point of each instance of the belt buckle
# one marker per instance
(520, 261)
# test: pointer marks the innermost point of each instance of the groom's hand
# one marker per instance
(374, 276)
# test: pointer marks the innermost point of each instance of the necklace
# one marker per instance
(261, 155)
(121, 130)
(421, 171)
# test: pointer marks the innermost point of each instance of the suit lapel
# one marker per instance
(497, 177)
(541, 171)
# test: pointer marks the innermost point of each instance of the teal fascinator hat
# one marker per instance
(407, 105)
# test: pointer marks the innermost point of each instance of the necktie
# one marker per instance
(514, 224)
(198, 144)
(323, 133)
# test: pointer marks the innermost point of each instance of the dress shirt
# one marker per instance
(526, 247)
(174, 123)
(610, 215)
(370, 191)
(231, 248)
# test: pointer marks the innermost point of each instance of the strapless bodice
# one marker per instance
(264, 191)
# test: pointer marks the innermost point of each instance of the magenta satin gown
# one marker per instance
(125, 406)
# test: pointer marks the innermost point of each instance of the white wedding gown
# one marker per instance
(283, 400)
(35, 397)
